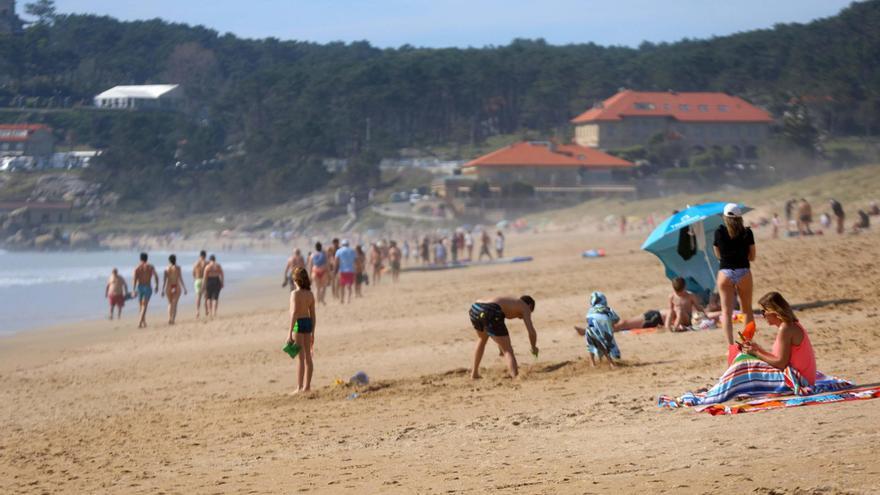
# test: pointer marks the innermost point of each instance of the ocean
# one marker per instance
(43, 289)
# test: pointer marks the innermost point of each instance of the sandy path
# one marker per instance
(201, 408)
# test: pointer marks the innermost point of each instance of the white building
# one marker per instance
(146, 97)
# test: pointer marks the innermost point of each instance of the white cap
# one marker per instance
(732, 210)
(345, 242)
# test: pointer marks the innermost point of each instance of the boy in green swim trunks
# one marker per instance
(302, 327)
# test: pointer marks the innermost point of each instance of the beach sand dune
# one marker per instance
(202, 407)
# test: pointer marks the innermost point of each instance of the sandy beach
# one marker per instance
(203, 407)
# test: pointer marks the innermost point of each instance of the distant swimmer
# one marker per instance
(302, 327)
(214, 282)
(487, 317)
(294, 262)
(318, 264)
(172, 283)
(199, 281)
(115, 292)
(143, 275)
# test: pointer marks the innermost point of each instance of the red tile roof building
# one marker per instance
(26, 140)
(551, 167)
(703, 120)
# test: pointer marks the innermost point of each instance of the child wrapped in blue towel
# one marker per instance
(599, 332)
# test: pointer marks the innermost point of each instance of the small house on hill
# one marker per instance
(26, 140)
(553, 168)
(144, 97)
(699, 120)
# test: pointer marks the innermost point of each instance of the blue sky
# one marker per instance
(440, 23)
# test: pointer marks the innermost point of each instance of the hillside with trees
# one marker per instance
(262, 114)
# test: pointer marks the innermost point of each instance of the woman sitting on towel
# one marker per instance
(789, 368)
(792, 346)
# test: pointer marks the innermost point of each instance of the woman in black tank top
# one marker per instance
(735, 249)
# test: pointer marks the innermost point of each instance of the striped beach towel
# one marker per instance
(750, 377)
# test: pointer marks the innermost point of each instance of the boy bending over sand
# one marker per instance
(487, 316)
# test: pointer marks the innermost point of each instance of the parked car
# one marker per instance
(415, 198)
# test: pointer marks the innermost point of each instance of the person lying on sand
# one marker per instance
(599, 332)
(487, 317)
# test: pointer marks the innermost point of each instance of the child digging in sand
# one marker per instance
(302, 327)
(599, 332)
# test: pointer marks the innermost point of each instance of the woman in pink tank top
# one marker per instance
(792, 346)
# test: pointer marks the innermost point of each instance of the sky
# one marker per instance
(462, 23)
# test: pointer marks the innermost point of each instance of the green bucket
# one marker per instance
(292, 349)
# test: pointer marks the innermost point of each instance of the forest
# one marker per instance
(262, 114)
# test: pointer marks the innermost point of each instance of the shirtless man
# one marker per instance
(214, 281)
(394, 257)
(682, 304)
(115, 293)
(172, 282)
(333, 264)
(484, 246)
(294, 262)
(143, 275)
(199, 281)
(487, 317)
(376, 263)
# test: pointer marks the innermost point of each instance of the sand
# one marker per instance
(203, 407)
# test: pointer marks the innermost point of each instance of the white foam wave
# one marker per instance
(24, 278)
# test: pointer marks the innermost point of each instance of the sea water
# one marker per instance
(42, 289)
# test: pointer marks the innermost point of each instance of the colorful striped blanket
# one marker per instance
(765, 404)
(749, 377)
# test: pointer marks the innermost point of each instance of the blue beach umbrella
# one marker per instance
(700, 266)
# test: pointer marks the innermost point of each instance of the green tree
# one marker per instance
(43, 10)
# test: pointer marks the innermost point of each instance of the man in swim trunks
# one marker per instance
(199, 281)
(345, 258)
(214, 282)
(294, 262)
(333, 266)
(394, 257)
(143, 275)
(115, 293)
(318, 266)
(487, 317)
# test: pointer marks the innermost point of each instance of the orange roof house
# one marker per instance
(550, 167)
(702, 119)
(26, 139)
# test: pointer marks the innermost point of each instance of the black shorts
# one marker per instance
(653, 319)
(489, 318)
(212, 288)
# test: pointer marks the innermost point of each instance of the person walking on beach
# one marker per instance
(805, 217)
(144, 274)
(360, 270)
(199, 281)
(302, 327)
(346, 258)
(839, 214)
(499, 244)
(394, 258)
(376, 263)
(333, 265)
(115, 293)
(318, 265)
(294, 262)
(735, 249)
(487, 317)
(469, 245)
(172, 282)
(484, 246)
(214, 282)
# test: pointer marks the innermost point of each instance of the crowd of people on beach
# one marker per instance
(208, 281)
(345, 270)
